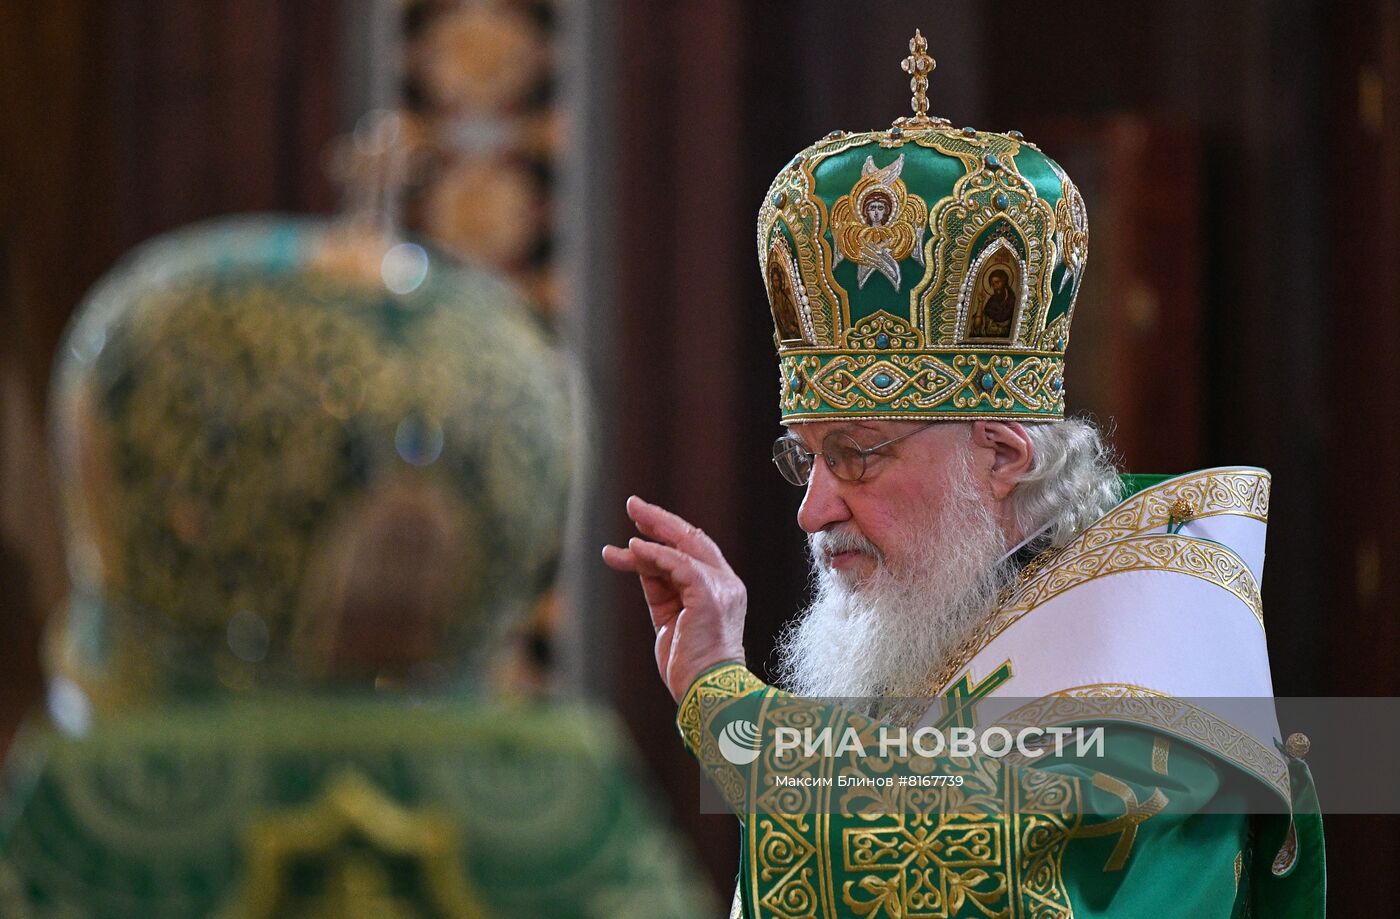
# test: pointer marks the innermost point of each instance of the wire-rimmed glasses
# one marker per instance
(842, 454)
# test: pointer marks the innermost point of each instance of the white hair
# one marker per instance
(1073, 481)
(890, 634)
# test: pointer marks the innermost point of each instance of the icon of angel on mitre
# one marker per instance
(879, 223)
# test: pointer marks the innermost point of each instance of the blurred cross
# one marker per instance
(374, 165)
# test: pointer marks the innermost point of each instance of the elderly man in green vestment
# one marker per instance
(980, 565)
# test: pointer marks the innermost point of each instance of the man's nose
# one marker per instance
(823, 505)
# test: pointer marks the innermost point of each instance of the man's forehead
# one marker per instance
(813, 432)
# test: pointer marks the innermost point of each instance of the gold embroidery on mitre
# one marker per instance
(879, 223)
(1071, 232)
(792, 319)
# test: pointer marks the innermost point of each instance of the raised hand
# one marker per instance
(697, 602)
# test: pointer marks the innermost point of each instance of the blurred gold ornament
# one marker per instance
(356, 836)
(486, 209)
(480, 58)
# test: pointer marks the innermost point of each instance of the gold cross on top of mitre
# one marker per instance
(919, 64)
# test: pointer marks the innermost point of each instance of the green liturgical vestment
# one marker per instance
(1187, 805)
(342, 808)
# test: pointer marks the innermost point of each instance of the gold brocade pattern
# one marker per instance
(1207, 560)
(898, 333)
(909, 384)
(726, 681)
(1071, 230)
(1161, 749)
(994, 844)
(209, 811)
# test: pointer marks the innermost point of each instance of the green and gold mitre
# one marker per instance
(294, 452)
(922, 271)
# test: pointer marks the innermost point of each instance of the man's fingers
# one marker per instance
(657, 559)
(619, 559)
(660, 524)
(630, 562)
(682, 572)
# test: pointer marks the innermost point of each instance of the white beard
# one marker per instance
(889, 635)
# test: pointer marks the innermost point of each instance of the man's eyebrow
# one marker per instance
(845, 427)
(841, 427)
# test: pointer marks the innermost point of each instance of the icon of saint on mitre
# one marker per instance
(992, 311)
(879, 223)
(783, 296)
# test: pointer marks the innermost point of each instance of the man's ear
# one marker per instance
(1012, 453)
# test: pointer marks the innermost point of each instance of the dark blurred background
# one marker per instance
(1240, 162)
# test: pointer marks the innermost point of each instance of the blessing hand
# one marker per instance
(697, 602)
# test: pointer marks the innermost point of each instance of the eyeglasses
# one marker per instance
(843, 456)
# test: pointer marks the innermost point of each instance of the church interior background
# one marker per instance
(1240, 162)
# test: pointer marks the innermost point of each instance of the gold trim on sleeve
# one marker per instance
(727, 681)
